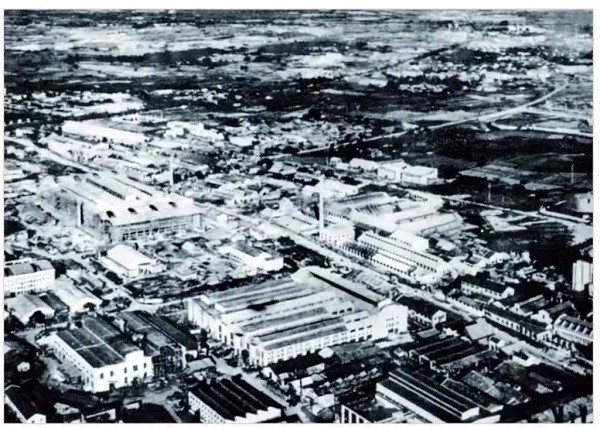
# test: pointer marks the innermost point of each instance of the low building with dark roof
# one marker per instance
(423, 311)
(302, 365)
(484, 286)
(229, 400)
(428, 399)
(369, 411)
(160, 340)
(522, 325)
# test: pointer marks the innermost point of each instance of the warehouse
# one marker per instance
(120, 209)
(232, 400)
(128, 262)
(428, 399)
(102, 357)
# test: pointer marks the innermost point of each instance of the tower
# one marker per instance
(171, 173)
(321, 215)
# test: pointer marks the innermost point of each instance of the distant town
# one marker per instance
(298, 216)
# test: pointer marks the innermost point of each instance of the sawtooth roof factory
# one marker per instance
(121, 209)
(279, 320)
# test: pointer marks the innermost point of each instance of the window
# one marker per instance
(112, 373)
(125, 371)
(135, 368)
(144, 365)
(101, 375)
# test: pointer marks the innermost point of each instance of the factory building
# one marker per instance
(128, 262)
(429, 400)
(75, 298)
(164, 343)
(28, 276)
(280, 320)
(398, 257)
(337, 234)
(252, 258)
(120, 209)
(220, 401)
(98, 130)
(400, 172)
(331, 188)
(26, 306)
(100, 356)
(574, 330)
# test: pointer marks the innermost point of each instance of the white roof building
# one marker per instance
(24, 306)
(97, 130)
(128, 262)
(75, 298)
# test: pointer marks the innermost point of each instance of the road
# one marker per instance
(503, 113)
(487, 117)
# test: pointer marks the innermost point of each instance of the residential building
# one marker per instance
(519, 324)
(28, 276)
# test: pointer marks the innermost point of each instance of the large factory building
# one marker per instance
(120, 209)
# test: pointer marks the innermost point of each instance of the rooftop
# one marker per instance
(98, 342)
(232, 398)
(25, 266)
(127, 256)
(441, 401)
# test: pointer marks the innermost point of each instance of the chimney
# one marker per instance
(171, 177)
(321, 215)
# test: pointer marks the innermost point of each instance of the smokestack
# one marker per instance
(572, 173)
(489, 192)
(321, 214)
(171, 177)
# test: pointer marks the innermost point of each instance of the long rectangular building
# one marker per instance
(28, 276)
(396, 256)
(430, 400)
(232, 400)
(121, 209)
(279, 320)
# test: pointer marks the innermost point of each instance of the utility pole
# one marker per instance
(572, 173)
(489, 192)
